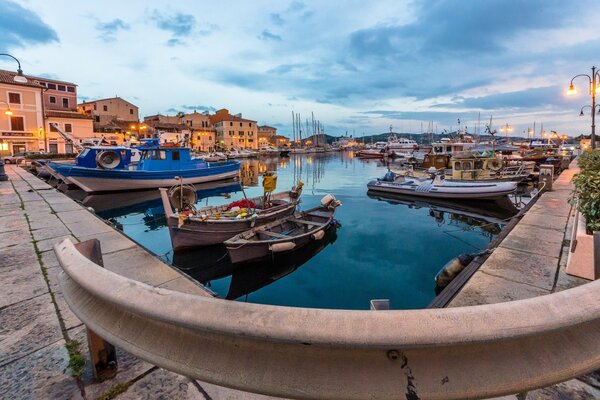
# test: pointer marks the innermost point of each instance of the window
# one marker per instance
(131, 111)
(14, 98)
(53, 127)
(250, 124)
(231, 124)
(52, 100)
(241, 133)
(175, 155)
(95, 107)
(17, 124)
(53, 148)
(97, 118)
(68, 128)
(250, 140)
(70, 89)
(105, 108)
(241, 123)
(52, 86)
(42, 83)
(65, 103)
(62, 88)
(159, 155)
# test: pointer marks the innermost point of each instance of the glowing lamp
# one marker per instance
(8, 112)
(571, 90)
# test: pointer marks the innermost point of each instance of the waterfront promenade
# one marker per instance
(38, 326)
(39, 335)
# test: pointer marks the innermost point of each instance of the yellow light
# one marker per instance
(8, 112)
(571, 90)
(132, 127)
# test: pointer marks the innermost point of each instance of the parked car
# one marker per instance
(17, 157)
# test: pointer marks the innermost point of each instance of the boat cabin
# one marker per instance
(157, 157)
(475, 166)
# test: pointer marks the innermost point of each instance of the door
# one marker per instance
(19, 148)
(53, 148)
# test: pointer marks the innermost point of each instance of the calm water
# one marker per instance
(385, 248)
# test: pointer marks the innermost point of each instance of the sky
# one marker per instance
(359, 66)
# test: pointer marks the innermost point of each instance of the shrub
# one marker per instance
(587, 188)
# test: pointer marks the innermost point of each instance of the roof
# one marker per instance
(8, 78)
(108, 98)
(228, 117)
(67, 114)
(266, 127)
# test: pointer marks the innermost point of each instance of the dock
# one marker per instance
(43, 345)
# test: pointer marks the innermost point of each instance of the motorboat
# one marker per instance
(438, 187)
(400, 145)
(110, 168)
(215, 156)
(190, 227)
(283, 235)
(372, 153)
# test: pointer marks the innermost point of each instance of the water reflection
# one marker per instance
(212, 264)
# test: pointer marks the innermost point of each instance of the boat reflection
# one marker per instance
(489, 216)
(208, 264)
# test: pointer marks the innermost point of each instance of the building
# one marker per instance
(196, 126)
(111, 115)
(265, 135)
(280, 141)
(233, 131)
(43, 113)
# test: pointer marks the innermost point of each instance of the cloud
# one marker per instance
(178, 24)
(21, 27)
(550, 96)
(173, 42)
(108, 30)
(266, 35)
(296, 6)
(198, 108)
(277, 19)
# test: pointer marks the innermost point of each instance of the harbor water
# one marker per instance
(386, 247)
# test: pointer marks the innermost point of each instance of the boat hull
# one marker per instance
(94, 180)
(198, 233)
(479, 190)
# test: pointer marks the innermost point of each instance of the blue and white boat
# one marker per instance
(111, 168)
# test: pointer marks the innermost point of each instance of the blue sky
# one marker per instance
(359, 66)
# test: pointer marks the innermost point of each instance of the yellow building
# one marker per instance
(112, 114)
(233, 131)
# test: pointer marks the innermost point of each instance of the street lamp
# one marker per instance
(594, 82)
(506, 128)
(8, 112)
(19, 77)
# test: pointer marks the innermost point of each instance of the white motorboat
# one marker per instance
(215, 156)
(438, 187)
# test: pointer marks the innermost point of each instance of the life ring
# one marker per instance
(108, 159)
(494, 164)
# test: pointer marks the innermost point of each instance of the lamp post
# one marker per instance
(506, 128)
(19, 77)
(8, 112)
(593, 81)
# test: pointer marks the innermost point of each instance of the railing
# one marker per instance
(455, 353)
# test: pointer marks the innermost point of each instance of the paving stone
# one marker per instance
(547, 241)
(15, 221)
(130, 367)
(49, 259)
(110, 241)
(483, 288)
(43, 374)
(163, 384)
(69, 319)
(27, 327)
(43, 220)
(36, 206)
(27, 196)
(21, 282)
(543, 220)
(532, 269)
(221, 393)
(79, 215)
(88, 228)
(66, 206)
(10, 238)
(52, 274)
(48, 244)
(57, 229)
(136, 263)
(573, 389)
(19, 253)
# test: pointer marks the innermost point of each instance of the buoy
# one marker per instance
(281, 247)
(318, 235)
(452, 269)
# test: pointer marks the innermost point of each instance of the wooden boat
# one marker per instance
(372, 153)
(284, 235)
(438, 187)
(214, 224)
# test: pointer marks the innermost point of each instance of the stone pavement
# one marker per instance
(531, 262)
(35, 322)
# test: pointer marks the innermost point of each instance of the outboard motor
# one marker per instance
(389, 177)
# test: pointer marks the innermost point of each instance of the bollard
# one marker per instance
(546, 176)
(102, 353)
(3, 176)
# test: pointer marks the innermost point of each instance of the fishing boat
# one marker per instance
(438, 187)
(108, 169)
(283, 235)
(190, 227)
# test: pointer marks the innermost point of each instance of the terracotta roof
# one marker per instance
(218, 118)
(266, 127)
(105, 99)
(8, 77)
(67, 114)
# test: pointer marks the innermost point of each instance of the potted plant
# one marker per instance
(587, 223)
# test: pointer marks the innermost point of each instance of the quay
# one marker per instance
(43, 343)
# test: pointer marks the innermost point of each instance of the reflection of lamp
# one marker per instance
(19, 77)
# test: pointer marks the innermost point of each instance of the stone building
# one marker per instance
(112, 114)
(233, 131)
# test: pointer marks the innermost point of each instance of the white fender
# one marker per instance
(318, 235)
(281, 247)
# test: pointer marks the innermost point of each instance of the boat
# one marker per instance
(284, 153)
(190, 227)
(215, 156)
(283, 235)
(400, 145)
(372, 153)
(438, 187)
(110, 168)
